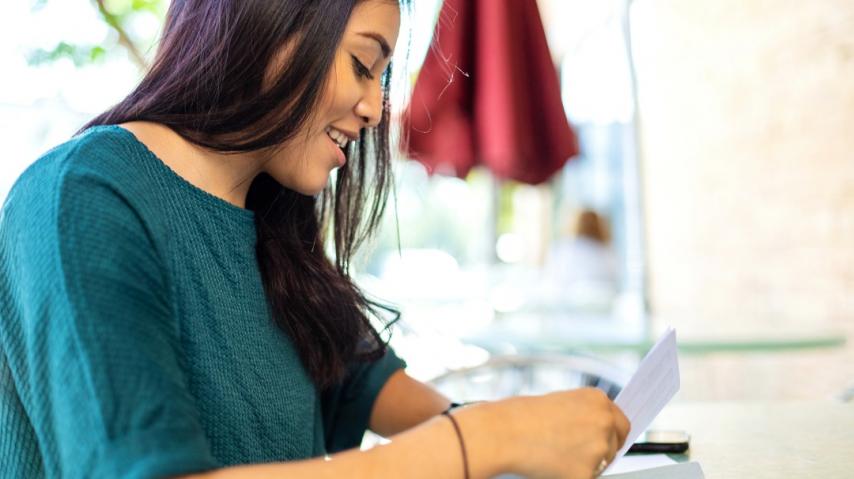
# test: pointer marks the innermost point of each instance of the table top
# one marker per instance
(766, 439)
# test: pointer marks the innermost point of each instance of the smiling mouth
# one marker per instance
(337, 136)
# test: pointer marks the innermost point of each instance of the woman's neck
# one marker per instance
(225, 176)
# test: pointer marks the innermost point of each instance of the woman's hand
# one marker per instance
(559, 435)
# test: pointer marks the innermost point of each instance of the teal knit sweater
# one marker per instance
(135, 336)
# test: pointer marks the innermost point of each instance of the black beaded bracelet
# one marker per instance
(447, 412)
(455, 405)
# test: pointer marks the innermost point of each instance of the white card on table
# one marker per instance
(653, 385)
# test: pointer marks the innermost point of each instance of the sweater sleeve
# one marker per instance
(347, 407)
(94, 344)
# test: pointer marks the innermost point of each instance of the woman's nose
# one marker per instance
(369, 108)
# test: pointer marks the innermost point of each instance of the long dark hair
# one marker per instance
(208, 84)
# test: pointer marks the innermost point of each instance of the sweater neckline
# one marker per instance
(242, 214)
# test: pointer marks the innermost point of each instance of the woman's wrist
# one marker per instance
(462, 441)
(486, 437)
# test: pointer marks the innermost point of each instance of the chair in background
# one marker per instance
(511, 375)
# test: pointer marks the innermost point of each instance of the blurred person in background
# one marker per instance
(581, 270)
(168, 307)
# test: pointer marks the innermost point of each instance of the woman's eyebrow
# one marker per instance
(379, 39)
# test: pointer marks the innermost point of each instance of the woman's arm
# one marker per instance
(566, 434)
(404, 403)
(429, 450)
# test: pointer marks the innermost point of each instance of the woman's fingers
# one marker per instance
(613, 446)
(617, 433)
(606, 453)
(584, 425)
(621, 423)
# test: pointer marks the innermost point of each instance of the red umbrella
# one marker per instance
(488, 94)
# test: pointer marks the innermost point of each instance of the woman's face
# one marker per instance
(352, 100)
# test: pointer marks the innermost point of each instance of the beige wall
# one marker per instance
(747, 128)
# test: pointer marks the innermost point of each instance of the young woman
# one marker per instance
(167, 307)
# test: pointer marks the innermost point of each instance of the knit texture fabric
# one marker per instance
(135, 335)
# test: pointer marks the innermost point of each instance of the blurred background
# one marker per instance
(711, 188)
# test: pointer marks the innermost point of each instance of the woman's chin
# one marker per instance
(306, 181)
(311, 187)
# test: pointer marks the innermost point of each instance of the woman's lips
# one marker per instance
(341, 158)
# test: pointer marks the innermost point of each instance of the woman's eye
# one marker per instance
(361, 69)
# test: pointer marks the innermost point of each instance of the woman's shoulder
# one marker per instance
(102, 154)
(99, 172)
(105, 151)
(75, 203)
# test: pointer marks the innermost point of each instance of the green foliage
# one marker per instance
(121, 8)
(79, 54)
(118, 15)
